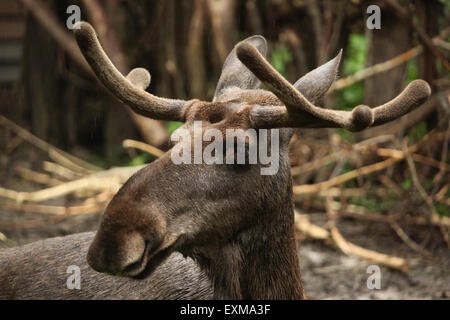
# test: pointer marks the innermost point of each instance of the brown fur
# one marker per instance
(236, 224)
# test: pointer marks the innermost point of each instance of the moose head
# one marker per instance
(234, 221)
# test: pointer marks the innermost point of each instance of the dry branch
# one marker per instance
(369, 169)
(407, 240)
(28, 224)
(57, 154)
(377, 68)
(108, 180)
(303, 225)
(379, 258)
(143, 147)
(383, 66)
(423, 37)
(314, 188)
(343, 153)
(55, 210)
(60, 170)
(37, 176)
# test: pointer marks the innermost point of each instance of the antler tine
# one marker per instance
(140, 78)
(299, 112)
(129, 90)
(416, 93)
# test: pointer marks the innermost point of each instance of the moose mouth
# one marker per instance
(148, 262)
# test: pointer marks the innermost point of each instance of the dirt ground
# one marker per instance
(327, 273)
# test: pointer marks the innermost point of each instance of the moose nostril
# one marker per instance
(132, 268)
(135, 266)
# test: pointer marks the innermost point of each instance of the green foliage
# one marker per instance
(97, 160)
(280, 58)
(139, 160)
(368, 203)
(356, 54)
(428, 183)
(446, 4)
(346, 135)
(354, 61)
(374, 204)
(119, 158)
(173, 125)
(418, 132)
(406, 184)
(412, 70)
(442, 209)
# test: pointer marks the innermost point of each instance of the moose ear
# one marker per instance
(315, 84)
(235, 74)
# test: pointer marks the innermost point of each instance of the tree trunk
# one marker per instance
(41, 85)
(392, 39)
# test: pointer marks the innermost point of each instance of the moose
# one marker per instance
(198, 231)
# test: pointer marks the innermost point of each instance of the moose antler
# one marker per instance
(129, 90)
(299, 112)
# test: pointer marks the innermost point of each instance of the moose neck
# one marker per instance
(261, 262)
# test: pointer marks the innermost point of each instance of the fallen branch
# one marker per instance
(407, 240)
(29, 224)
(55, 210)
(6, 241)
(55, 153)
(361, 213)
(369, 169)
(110, 180)
(379, 258)
(60, 170)
(303, 225)
(37, 177)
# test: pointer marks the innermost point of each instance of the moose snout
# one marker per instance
(119, 255)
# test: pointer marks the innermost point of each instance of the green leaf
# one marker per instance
(418, 132)
(442, 209)
(354, 61)
(139, 160)
(406, 184)
(173, 125)
(280, 58)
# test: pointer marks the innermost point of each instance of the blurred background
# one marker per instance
(380, 196)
